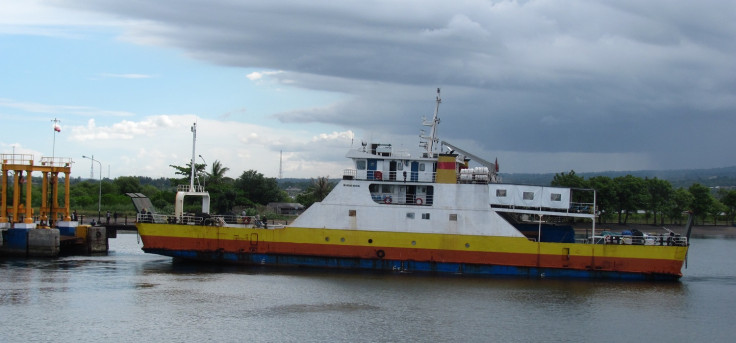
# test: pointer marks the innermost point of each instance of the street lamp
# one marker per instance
(99, 197)
(204, 178)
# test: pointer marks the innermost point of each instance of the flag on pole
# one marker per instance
(496, 164)
(57, 128)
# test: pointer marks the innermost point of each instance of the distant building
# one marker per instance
(293, 191)
(289, 208)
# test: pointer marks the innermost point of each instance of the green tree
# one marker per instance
(660, 192)
(680, 202)
(728, 199)
(702, 200)
(570, 180)
(185, 173)
(716, 209)
(217, 173)
(254, 188)
(631, 195)
(316, 192)
(605, 190)
(128, 184)
(221, 189)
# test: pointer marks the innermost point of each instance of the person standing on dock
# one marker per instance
(108, 217)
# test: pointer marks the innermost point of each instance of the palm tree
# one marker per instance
(320, 188)
(217, 174)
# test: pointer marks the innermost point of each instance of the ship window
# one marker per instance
(421, 166)
(528, 196)
(410, 215)
(425, 215)
(453, 217)
(399, 166)
(386, 188)
(360, 164)
(500, 193)
(351, 213)
(555, 197)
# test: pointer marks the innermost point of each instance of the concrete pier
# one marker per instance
(96, 241)
(43, 243)
(65, 240)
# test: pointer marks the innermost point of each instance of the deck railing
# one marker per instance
(401, 176)
(621, 239)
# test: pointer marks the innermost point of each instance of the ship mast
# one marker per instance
(429, 141)
(194, 145)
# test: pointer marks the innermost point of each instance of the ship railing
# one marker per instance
(187, 188)
(653, 240)
(152, 218)
(379, 175)
(56, 161)
(23, 159)
(349, 174)
(199, 219)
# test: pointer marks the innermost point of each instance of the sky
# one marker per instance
(287, 87)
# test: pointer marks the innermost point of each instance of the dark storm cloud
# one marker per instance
(656, 77)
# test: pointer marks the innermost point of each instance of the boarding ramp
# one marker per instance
(141, 202)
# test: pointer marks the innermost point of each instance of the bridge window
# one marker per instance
(360, 164)
(500, 193)
(555, 197)
(528, 196)
(421, 167)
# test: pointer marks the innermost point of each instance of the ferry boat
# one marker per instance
(429, 212)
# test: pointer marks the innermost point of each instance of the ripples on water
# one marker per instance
(129, 296)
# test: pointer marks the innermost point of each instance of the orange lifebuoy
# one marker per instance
(246, 220)
(387, 200)
(378, 175)
(419, 201)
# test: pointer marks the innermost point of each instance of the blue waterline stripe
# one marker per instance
(402, 266)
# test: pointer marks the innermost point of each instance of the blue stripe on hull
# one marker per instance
(403, 266)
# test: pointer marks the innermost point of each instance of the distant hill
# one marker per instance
(715, 177)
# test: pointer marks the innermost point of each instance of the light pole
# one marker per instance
(204, 178)
(99, 197)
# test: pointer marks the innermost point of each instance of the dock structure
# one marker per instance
(25, 233)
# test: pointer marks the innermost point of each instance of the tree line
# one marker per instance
(250, 191)
(622, 197)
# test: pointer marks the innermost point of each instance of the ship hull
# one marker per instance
(412, 252)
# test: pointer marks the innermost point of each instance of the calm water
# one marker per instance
(129, 296)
